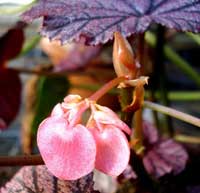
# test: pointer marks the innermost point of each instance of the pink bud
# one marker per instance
(69, 153)
(123, 57)
(113, 151)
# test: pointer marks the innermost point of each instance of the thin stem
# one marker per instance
(172, 95)
(22, 160)
(160, 78)
(51, 73)
(126, 97)
(195, 37)
(175, 58)
(138, 122)
(178, 95)
(187, 139)
(29, 45)
(138, 132)
(108, 86)
(173, 113)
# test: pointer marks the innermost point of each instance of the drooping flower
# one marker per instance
(67, 147)
(71, 150)
(113, 151)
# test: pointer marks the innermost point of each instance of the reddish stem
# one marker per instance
(108, 86)
(22, 160)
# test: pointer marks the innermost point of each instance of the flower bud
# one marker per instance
(123, 57)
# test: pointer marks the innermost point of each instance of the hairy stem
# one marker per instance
(108, 86)
(173, 113)
(138, 120)
(22, 160)
(138, 134)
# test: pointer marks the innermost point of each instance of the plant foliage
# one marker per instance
(97, 20)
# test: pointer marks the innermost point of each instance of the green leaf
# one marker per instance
(50, 91)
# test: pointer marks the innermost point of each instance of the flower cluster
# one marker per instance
(71, 150)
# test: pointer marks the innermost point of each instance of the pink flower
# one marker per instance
(67, 148)
(70, 150)
(113, 151)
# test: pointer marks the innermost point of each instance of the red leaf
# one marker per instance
(11, 43)
(37, 179)
(10, 96)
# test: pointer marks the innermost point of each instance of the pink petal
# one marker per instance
(73, 108)
(57, 110)
(106, 116)
(72, 98)
(112, 151)
(69, 153)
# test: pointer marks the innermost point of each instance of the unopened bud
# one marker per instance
(123, 57)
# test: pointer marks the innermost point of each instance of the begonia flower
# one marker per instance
(113, 151)
(71, 150)
(67, 147)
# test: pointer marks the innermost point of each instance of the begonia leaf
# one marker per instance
(97, 20)
(11, 43)
(127, 174)
(165, 157)
(10, 96)
(162, 156)
(37, 179)
(150, 133)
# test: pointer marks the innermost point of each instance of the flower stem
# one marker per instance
(173, 113)
(187, 139)
(21, 160)
(138, 134)
(108, 86)
(138, 122)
